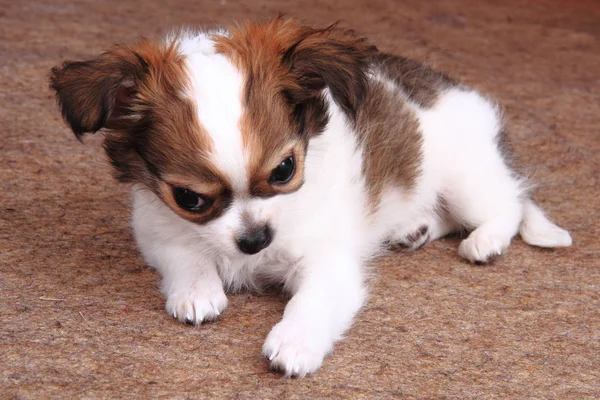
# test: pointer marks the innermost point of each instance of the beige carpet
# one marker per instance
(80, 315)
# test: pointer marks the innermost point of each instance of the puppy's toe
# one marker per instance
(196, 305)
(293, 352)
(481, 246)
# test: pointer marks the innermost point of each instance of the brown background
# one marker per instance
(435, 326)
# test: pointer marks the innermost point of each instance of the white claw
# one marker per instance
(271, 357)
(174, 314)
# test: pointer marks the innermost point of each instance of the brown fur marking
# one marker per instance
(138, 94)
(389, 132)
(420, 83)
(286, 66)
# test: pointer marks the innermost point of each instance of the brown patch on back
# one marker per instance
(286, 66)
(138, 94)
(507, 152)
(389, 132)
(388, 128)
(419, 83)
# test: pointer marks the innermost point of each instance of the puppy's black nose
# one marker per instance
(253, 241)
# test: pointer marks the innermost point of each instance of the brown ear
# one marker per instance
(334, 58)
(97, 94)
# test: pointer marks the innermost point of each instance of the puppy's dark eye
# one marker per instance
(190, 201)
(283, 172)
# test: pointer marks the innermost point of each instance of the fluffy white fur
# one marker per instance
(325, 233)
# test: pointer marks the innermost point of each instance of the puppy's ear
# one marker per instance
(334, 58)
(98, 93)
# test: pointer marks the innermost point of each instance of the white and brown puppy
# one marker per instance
(276, 153)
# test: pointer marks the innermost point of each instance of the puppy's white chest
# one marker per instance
(271, 267)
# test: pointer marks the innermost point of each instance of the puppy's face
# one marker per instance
(217, 125)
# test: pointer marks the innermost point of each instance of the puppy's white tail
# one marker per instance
(537, 230)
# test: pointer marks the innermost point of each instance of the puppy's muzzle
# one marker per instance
(254, 240)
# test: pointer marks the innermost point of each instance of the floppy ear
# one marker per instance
(334, 58)
(98, 93)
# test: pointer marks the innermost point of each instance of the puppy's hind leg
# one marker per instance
(487, 241)
(487, 198)
(493, 236)
(493, 208)
(481, 192)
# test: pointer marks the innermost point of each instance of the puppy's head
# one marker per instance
(217, 124)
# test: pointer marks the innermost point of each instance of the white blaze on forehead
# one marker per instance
(216, 88)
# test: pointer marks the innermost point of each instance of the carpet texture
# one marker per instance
(80, 314)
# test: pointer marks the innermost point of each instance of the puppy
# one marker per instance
(276, 153)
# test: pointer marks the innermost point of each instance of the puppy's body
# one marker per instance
(383, 152)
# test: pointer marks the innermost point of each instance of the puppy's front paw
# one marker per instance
(295, 350)
(198, 303)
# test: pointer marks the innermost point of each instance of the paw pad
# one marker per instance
(412, 241)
